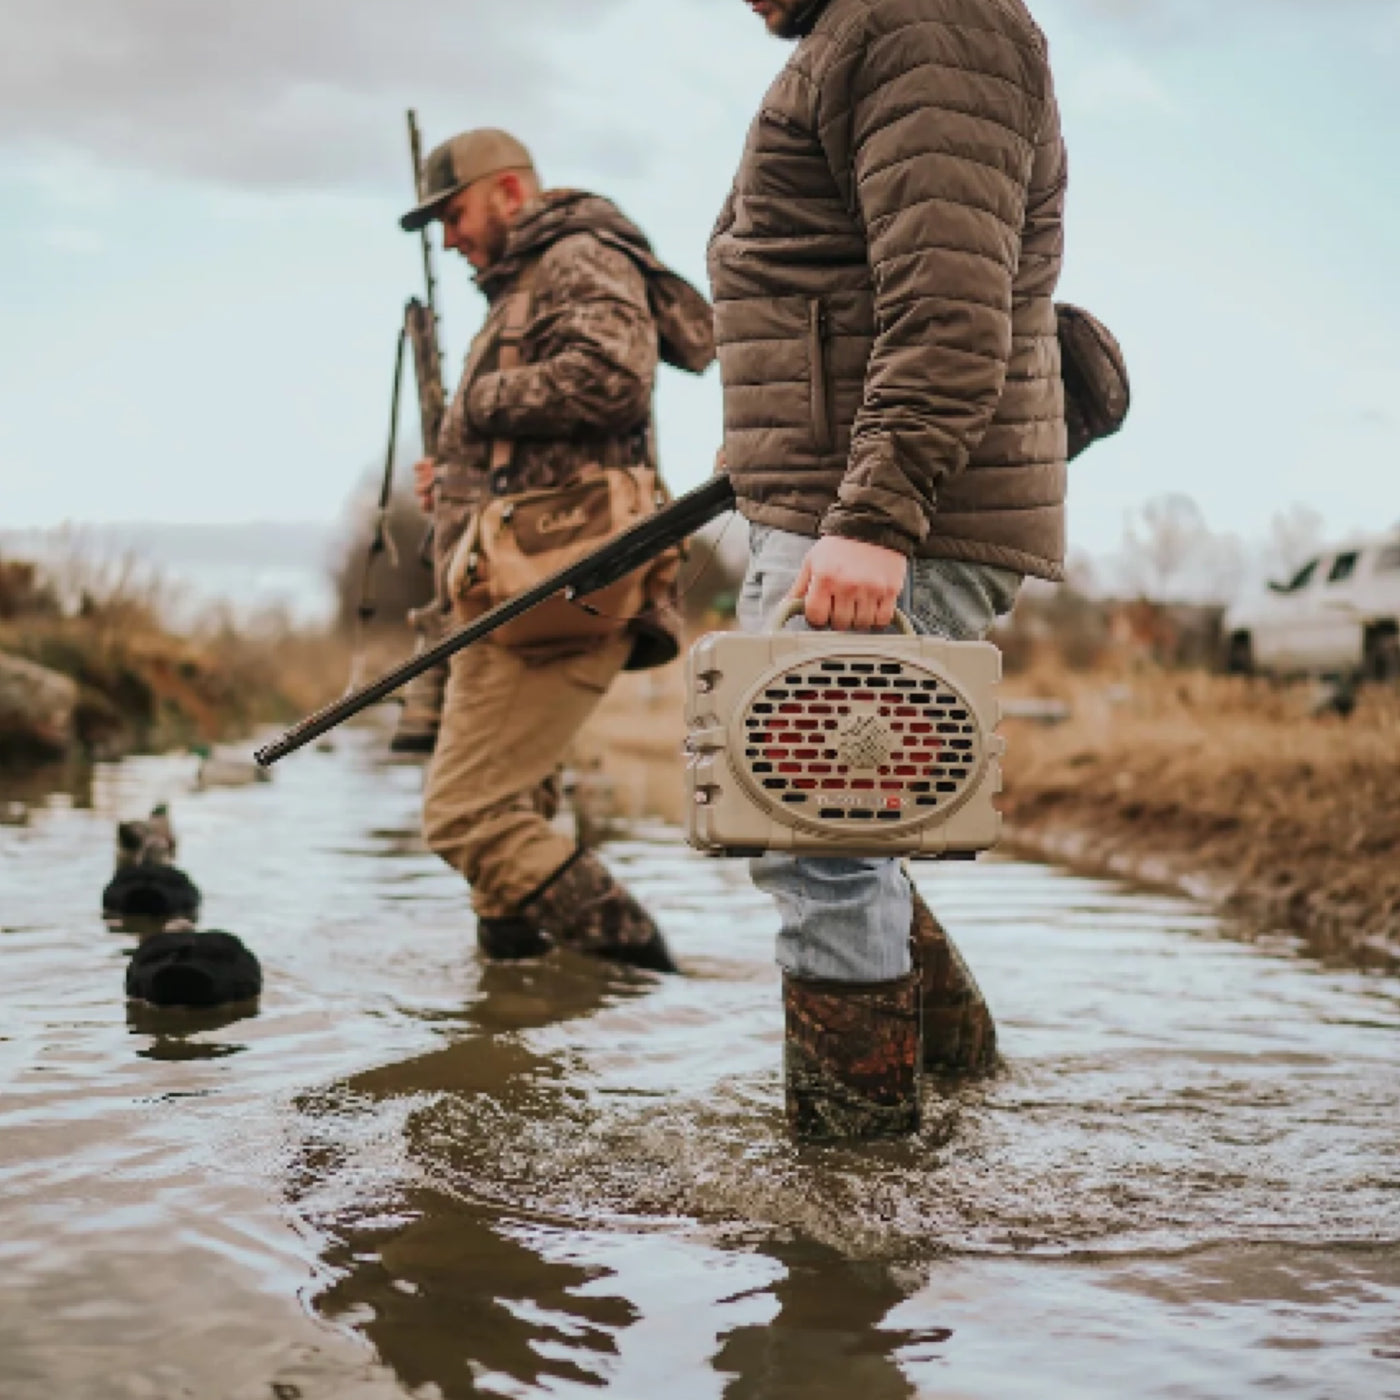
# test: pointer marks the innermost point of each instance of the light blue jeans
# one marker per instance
(847, 919)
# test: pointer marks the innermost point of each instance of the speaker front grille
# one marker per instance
(862, 742)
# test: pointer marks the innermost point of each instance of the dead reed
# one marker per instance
(145, 682)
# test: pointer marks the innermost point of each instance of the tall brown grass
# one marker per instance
(146, 682)
(1289, 811)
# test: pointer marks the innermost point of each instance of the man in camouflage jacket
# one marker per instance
(603, 311)
(883, 275)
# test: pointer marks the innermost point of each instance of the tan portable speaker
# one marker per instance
(826, 743)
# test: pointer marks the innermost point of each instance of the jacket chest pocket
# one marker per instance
(819, 376)
(783, 156)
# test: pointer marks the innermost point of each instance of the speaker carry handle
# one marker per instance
(792, 606)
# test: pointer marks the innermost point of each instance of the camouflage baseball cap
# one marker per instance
(460, 162)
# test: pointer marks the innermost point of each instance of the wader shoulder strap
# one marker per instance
(515, 322)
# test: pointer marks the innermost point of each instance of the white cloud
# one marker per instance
(71, 181)
(295, 95)
(275, 93)
(1187, 15)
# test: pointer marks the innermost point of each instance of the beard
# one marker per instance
(494, 240)
(489, 247)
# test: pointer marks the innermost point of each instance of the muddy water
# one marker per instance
(410, 1175)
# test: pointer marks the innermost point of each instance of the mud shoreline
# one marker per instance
(93, 665)
(1287, 822)
(1332, 930)
(144, 690)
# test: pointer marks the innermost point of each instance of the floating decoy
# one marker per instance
(185, 968)
(228, 768)
(147, 883)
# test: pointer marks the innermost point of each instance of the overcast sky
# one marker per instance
(202, 276)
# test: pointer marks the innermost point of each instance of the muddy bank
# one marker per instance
(152, 691)
(91, 665)
(1229, 790)
(98, 672)
(37, 708)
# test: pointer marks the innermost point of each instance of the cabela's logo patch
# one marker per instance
(557, 522)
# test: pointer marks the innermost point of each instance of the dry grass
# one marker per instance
(143, 684)
(1232, 787)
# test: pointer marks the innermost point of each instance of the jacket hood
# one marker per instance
(684, 318)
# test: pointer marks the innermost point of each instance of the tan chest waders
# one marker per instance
(825, 743)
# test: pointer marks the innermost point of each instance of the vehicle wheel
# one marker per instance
(1239, 655)
(1383, 657)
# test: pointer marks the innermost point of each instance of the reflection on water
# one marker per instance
(827, 1330)
(175, 1033)
(405, 1174)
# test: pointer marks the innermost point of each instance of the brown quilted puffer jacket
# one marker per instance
(883, 274)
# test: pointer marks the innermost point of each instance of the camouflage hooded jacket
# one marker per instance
(604, 311)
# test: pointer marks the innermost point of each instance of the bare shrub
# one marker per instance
(1295, 535)
(24, 591)
(1055, 625)
(1170, 554)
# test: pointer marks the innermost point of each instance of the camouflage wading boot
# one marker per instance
(851, 1059)
(516, 937)
(582, 906)
(421, 716)
(511, 940)
(960, 1036)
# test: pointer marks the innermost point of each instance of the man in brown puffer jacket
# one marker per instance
(883, 274)
(597, 312)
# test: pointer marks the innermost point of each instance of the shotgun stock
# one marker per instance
(420, 327)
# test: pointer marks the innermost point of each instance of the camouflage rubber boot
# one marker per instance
(583, 907)
(851, 1059)
(960, 1036)
(421, 716)
(511, 940)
